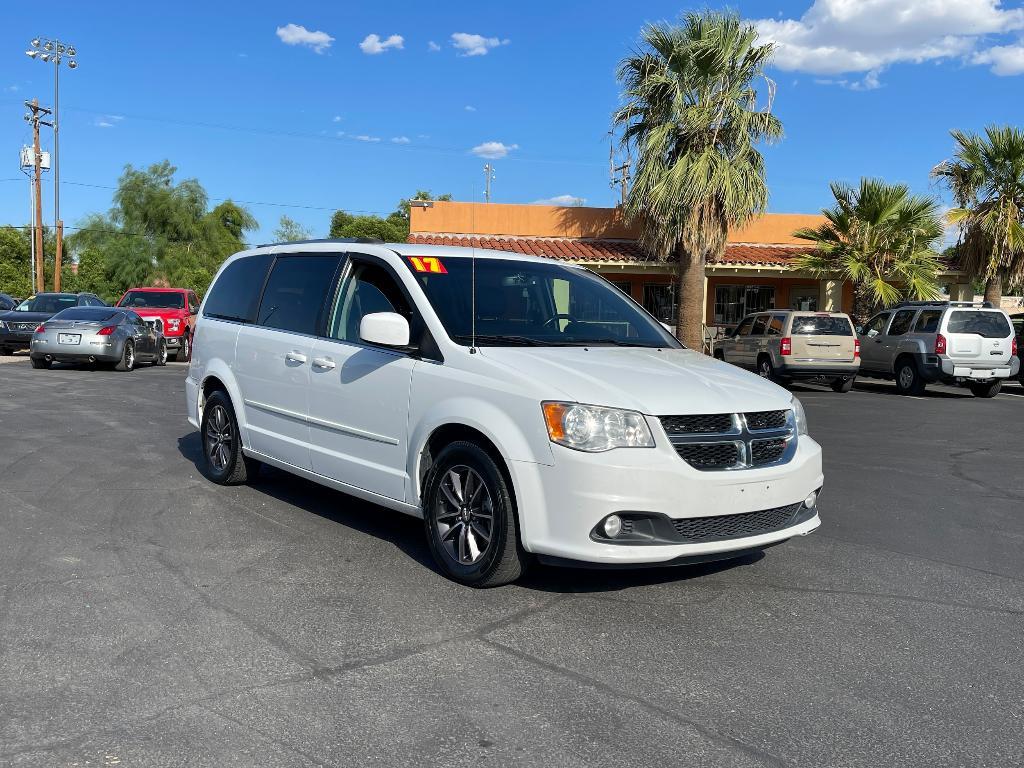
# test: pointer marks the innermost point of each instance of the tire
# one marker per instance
(161, 353)
(719, 355)
(224, 462)
(127, 361)
(843, 385)
(908, 380)
(41, 362)
(988, 389)
(454, 531)
(765, 369)
(184, 353)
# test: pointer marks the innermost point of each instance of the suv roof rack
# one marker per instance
(365, 240)
(983, 304)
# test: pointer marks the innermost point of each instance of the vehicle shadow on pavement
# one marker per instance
(884, 388)
(406, 533)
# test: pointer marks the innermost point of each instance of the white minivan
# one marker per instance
(521, 406)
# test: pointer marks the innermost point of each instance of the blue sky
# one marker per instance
(317, 106)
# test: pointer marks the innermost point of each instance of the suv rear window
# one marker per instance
(236, 294)
(822, 326)
(989, 325)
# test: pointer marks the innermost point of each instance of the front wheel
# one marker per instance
(225, 463)
(184, 353)
(988, 389)
(470, 518)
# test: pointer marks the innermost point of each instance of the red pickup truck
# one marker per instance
(177, 309)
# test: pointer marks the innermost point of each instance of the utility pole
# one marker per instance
(488, 178)
(37, 161)
(623, 170)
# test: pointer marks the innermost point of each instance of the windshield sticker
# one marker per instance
(428, 264)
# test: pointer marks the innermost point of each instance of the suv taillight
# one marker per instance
(856, 348)
(786, 346)
(940, 344)
(1013, 347)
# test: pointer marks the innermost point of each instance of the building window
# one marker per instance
(623, 285)
(660, 301)
(804, 298)
(732, 302)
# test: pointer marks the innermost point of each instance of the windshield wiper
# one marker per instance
(523, 341)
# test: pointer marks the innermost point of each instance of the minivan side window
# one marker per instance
(296, 291)
(875, 325)
(368, 288)
(901, 322)
(236, 294)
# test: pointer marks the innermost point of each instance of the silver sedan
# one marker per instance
(98, 335)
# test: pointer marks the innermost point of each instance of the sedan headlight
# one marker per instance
(800, 415)
(593, 428)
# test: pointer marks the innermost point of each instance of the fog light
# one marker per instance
(612, 526)
(811, 499)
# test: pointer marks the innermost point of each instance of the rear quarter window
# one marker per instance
(236, 294)
(989, 325)
(822, 326)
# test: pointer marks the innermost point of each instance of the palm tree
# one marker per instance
(986, 177)
(882, 239)
(690, 113)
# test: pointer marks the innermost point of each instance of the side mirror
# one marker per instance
(389, 329)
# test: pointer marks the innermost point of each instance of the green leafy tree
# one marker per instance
(394, 228)
(986, 177)
(288, 231)
(691, 116)
(15, 261)
(881, 238)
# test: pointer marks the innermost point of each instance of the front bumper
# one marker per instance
(561, 504)
(15, 339)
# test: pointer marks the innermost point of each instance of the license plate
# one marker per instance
(982, 374)
(69, 338)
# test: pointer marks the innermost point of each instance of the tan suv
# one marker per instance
(783, 345)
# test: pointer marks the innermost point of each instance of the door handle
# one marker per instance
(295, 357)
(323, 362)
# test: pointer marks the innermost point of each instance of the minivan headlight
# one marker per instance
(800, 415)
(593, 428)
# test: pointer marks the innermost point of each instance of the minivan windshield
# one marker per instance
(153, 300)
(47, 302)
(529, 303)
(989, 325)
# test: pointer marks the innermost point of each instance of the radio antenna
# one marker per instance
(472, 278)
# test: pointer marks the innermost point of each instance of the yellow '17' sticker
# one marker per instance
(428, 264)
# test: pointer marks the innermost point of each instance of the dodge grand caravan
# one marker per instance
(521, 406)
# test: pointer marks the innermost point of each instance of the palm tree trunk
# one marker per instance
(863, 303)
(690, 299)
(994, 289)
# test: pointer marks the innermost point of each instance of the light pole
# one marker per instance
(47, 51)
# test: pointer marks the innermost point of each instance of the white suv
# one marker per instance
(542, 414)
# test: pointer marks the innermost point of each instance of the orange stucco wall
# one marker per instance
(555, 221)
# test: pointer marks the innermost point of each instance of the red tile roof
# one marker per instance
(607, 251)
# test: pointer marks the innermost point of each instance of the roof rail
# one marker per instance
(936, 303)
(364, 240)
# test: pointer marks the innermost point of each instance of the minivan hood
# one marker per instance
(652, 381)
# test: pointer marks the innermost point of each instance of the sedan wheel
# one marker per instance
(127, 361)
(161, 353)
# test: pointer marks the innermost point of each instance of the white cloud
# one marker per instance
(372, 44)
(493, 150)
(475, 45)
(1005, 59)
(336, 119)
(847, 36)
(11, 89)
(107, 121)
(296, 34)
(400, 140)
(566, 201)
(469, 108)
(433, 47)
(364, 137)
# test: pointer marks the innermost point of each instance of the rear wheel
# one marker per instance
(843, 385)
(225, 463)
(41, 362)
(988, 389)
(470, 518)
(765, 369)
(127, 361)
(719, 355)
(908, 380)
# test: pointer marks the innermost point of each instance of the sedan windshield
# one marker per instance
(528, 303)
(153, 300)
(48, 302)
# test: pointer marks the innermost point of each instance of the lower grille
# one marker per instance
(767, 451)
(695, 529)
(709, 455)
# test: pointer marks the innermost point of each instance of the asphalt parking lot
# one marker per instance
(150, 618)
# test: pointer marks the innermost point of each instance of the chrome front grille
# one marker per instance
(727, 441)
